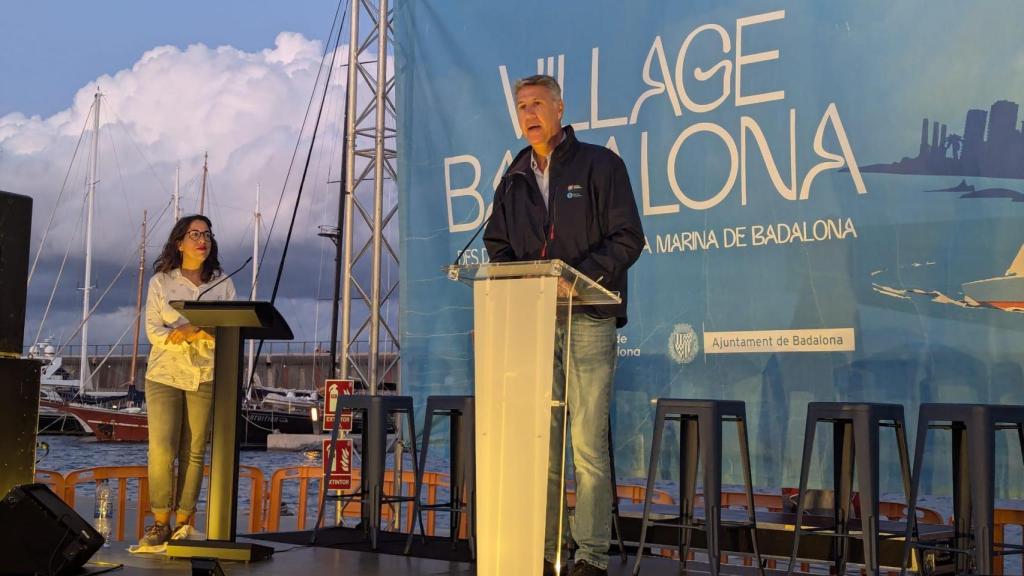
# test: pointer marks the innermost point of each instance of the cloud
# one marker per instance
(244, 109)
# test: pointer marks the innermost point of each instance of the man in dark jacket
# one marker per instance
(566, 199)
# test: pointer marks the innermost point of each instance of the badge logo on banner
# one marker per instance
(333, 389)
(682, 344)
(340, 477)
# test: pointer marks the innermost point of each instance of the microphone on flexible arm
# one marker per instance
(453, 273)
(237, 270)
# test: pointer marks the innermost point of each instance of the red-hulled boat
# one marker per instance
(130, 424)
(107, 424)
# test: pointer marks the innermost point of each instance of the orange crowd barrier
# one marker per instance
(897, 512)
(54, 481)
(302, 474)
(1002, 518)
(257, 489)
(632, 493)
(266, 505)
(121, 476)
(306, 474)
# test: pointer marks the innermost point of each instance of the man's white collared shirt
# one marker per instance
(543, 176)
(184, 365)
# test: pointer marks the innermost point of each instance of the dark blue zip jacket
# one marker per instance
(591, 208)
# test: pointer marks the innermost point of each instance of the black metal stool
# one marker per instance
(462, 465)
(973, 427)
(700, 438)
(855, 433)
(375, 410)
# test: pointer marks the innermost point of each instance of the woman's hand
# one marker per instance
(183, 333)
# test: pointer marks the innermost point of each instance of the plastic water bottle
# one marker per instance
(104, 510)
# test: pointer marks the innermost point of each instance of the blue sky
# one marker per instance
(244, 105)
(231, 78)
(51, 48)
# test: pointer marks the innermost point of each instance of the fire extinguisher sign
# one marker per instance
(333, 389)
(340, 476)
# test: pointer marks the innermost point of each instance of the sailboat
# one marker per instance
(265, 411)
(128, 424)
(123, 419)
(54, 421)
(120, 416)
(61, 395)
(108, 415)
(1004, 292)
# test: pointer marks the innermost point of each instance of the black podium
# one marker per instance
(233, 322)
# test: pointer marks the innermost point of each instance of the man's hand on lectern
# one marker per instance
(565, 289)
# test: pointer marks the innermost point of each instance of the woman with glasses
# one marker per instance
(179, 374)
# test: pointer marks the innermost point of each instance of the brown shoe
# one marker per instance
(156, 535)
(584, 568)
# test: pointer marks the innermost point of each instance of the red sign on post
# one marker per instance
(333, 389)
(340, 477)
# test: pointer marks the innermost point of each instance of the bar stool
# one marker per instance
(462, 466)
(375, 410)
(973, 427)
(700, 439)
(855, 434)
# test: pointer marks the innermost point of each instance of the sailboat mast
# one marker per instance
(252, 294)
(202, 190)
(138, 302)
(84, 372)
(177, 192)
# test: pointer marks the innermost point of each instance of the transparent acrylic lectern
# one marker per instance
(515, 312)
(233, 322)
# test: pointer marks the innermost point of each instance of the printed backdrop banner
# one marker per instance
(831, 195)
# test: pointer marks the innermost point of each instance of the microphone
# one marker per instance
(453, 273)
(237, 270)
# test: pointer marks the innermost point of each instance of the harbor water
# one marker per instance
(65, 454)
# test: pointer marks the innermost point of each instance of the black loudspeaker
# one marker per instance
(15, 229)
(40, 534)
(19, 419)
(206, 567)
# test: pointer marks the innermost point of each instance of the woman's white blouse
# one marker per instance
(183, 365)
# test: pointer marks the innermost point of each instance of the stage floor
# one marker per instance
(345, 551)
(310, 561)
(287, 559)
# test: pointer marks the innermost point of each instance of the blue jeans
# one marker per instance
(591, 364)
(179, 426)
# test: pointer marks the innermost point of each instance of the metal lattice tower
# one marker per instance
(369, 311)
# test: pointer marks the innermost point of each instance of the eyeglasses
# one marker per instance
(195, 235)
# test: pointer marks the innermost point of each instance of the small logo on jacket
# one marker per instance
(574, 191)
